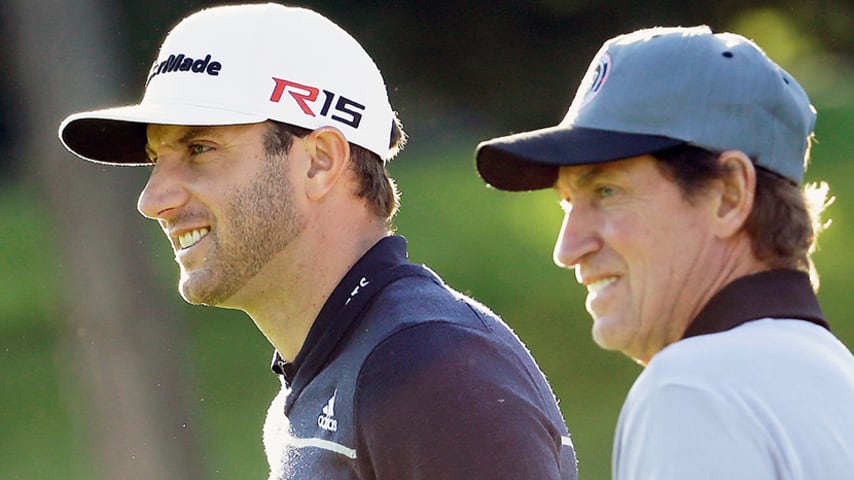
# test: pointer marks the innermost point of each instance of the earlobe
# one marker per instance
(329, 154)
(737, 191)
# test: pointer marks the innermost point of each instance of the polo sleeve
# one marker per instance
(440, 401)
(675, 432)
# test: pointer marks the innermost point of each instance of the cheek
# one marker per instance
(665, 276)
(650, 256)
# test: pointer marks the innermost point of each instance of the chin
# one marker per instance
(608, 334)
(191, 297)
(204, 291)
(196, 294)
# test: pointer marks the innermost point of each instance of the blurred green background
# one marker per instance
(457, 73)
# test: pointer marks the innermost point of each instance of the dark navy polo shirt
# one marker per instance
(401, 377)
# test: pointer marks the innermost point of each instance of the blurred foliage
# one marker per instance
(458, 72)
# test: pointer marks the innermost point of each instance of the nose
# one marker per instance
(577, 238)
(163, 193)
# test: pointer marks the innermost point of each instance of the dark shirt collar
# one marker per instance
(334, 319)
(769, 294)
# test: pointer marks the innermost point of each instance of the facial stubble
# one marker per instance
(259, 221)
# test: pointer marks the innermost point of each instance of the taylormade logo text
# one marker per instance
(182, 63)
(344, 110)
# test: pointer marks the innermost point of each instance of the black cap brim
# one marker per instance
(531, 160)
(106, 141)
(116, 136)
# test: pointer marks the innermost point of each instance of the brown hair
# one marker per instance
(375, 184)
(785, 221)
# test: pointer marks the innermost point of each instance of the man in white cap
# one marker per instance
(267, 129)
(679, 167)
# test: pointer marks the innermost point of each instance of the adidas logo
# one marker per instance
(325, 420)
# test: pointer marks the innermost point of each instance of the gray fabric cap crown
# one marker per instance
(658, 88)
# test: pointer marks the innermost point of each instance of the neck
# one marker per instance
(285, 298)
(734, 261)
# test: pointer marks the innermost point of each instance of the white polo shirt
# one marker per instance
(766, 399)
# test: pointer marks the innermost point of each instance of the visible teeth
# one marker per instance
(600, 284)
(190, 238)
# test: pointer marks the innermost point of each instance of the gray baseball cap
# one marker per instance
(659, 88)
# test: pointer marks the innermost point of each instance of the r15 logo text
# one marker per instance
(346, 111)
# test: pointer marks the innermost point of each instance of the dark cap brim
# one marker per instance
(531, 160)
(116, 136)
(106, 141)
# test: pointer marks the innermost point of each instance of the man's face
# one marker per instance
(225, 205)
(641, 249)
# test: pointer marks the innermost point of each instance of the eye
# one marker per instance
(605, 191)
(198, 148)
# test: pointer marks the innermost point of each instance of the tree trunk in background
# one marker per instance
(126, 362)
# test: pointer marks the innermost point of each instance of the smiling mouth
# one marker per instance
(598, 285)
(189, 239)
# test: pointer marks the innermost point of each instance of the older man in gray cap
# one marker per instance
(679, 167)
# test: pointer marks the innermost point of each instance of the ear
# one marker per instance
(736, 193)
(329, 154)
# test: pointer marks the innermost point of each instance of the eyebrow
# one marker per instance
(589, 176)
(585, 178)
(188, 137)
(194, 133)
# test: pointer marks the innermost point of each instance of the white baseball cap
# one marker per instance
(659, 88)
(244, 64)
